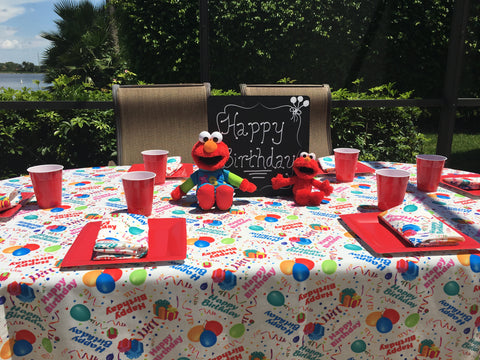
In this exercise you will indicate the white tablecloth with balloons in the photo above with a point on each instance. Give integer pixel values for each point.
(265, 280)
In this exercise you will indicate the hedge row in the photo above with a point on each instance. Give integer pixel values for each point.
(82, 138)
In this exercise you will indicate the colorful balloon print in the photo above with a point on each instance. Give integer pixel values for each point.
(23, 344)
(384, 325)
(286, 266)
(373, 317)
(206, 335)
(104, 280)
(329, 267)
(80, 312)
(25, 335)
(6, 351)
(237, 330)
(451, 288)
(52, 248)
(105, 283)
(22, 348)
(135, 230)
(211, 332)
(138, 277)
(20, 252)
(201, 243)
(47, 345)
(208, 338)
(195, 332)
(307, 262)
(392, 314)
(276, 298)
(383, 321)
(214, 326)
(464, 259)
(475, 263)
(353, 247)
(358, 346)
(412, 320)
(116, 274)
(90, 278)
(300, 272)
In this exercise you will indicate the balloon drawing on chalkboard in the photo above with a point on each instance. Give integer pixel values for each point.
(297, 112)
(295, 109)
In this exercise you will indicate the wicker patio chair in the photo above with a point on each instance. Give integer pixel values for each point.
(167, 116)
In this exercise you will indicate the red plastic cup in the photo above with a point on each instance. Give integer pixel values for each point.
(156, 161)
(138, 188)
(391, 187)
(429, 171)
(345, 163)
(47, 184)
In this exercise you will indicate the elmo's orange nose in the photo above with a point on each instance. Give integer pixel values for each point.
(210, 146)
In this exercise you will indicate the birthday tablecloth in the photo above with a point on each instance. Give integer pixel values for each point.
(265, 280)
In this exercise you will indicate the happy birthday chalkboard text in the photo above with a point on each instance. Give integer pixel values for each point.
(264, 134)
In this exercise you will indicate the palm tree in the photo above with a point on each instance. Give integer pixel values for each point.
(82, 44)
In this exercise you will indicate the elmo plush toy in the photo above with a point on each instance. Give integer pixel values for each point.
(305, 168)
(210, 154)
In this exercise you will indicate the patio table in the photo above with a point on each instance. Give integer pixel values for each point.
(265, 280)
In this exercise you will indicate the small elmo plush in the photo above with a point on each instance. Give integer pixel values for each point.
(210, 154)
(305, 168)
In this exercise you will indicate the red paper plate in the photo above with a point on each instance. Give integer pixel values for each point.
(185, 171)
(167, 241)
(361, 169)
(13, 210)
(471, 192)
(383, 241)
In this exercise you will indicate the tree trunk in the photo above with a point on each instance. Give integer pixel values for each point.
(113, 26)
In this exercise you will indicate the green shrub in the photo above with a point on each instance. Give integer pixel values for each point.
(73, 138)
(320, 42)
(388, 134)
(219, 92)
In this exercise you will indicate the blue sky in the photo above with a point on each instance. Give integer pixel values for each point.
(21, 23)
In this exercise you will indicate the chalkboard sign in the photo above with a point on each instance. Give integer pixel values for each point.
(264, 135)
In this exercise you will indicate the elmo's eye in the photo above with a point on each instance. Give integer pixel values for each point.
(204, 136)
(217, 137)
(303, 154)
(312, 156)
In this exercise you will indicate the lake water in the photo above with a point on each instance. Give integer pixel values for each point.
(18, 81)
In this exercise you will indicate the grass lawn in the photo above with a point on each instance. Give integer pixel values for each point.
(465, 151)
